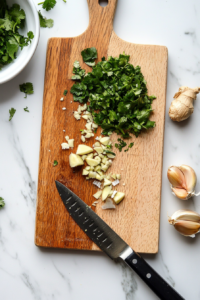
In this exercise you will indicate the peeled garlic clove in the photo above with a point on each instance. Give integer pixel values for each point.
(187, 215)
(176, 177)
(181, 193)
(190, 178)
(187, 228)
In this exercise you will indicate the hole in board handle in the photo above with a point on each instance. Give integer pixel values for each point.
(103, 3)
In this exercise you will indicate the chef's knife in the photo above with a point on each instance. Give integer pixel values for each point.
(109, 242)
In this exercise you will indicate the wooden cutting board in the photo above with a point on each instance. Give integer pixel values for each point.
(136, 219)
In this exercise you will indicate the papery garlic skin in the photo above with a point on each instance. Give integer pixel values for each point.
(182, 181)
(186, 222)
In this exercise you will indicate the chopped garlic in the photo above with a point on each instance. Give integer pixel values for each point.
(97, 195)
(84, 157)
(64, 108)
(113, 194)
(104, 168)
(67, 138)
(116, 182)
(119, 197)
(85, 172)
(118, 176)
(94, 125)
(90, 155)
(105, 140)
(107, 182)
(108, 204)
(83, 149)
(98, 149)
(92, 162)
(106, 192)
(104, 160)
(97, 144)
(77, 116)
(82, 138)
(114, 176)
(64, 146)
(84, 107)
(99, 177)
(89, 126)
(87, 168)
(123, 183)
(71, 143)
(61, 99)
(79, 109)
(92, 174)
(88, 135)
(75, 160)
(85, 117)
(97, 183)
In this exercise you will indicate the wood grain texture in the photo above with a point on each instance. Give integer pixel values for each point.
(136, 219)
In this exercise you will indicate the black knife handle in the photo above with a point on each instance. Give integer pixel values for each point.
(160, 287)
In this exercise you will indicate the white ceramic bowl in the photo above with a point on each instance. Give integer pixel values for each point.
(23, 57)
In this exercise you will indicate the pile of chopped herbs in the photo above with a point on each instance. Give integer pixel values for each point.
(116, 92)
(2, 203)
(11, 20)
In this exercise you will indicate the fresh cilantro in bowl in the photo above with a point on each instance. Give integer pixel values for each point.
(12, 19)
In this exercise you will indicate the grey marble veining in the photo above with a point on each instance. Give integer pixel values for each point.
(27, 272)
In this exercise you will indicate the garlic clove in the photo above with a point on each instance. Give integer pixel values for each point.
(187, 228)
(190, 178)
(176, 177)
(187, 215)
(181, 193)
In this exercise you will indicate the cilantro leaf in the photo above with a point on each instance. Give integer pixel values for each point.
(48, 4)
(120, 145)
(18, 15)
(2, 203)
(12, 112)
(55, 163)
(26, 109)
(89, 55)
(45, 22)
(65, 92)
(26, 88)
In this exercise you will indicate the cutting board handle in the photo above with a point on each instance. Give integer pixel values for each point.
(101, 18)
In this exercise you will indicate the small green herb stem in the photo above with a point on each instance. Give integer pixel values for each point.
(40, 3)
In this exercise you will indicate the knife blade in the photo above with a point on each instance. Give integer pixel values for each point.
(112, 244)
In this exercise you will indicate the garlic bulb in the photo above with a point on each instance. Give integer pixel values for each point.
(182, 181)
(186, 222)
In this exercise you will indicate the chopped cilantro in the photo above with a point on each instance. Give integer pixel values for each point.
(117, 95)
(44, 22)
(120, 145)
(89, 55)
(55, 163)
(26, 88)
(65, 92)
(2, 203)
(109, 146)
(12, 112)
(130, 146)
(26, 109)
(48, 4)
(11, 20)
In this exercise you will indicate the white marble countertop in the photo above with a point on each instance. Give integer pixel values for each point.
(27, 272)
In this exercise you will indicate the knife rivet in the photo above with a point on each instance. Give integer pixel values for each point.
(148, 275)
(134, 261)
